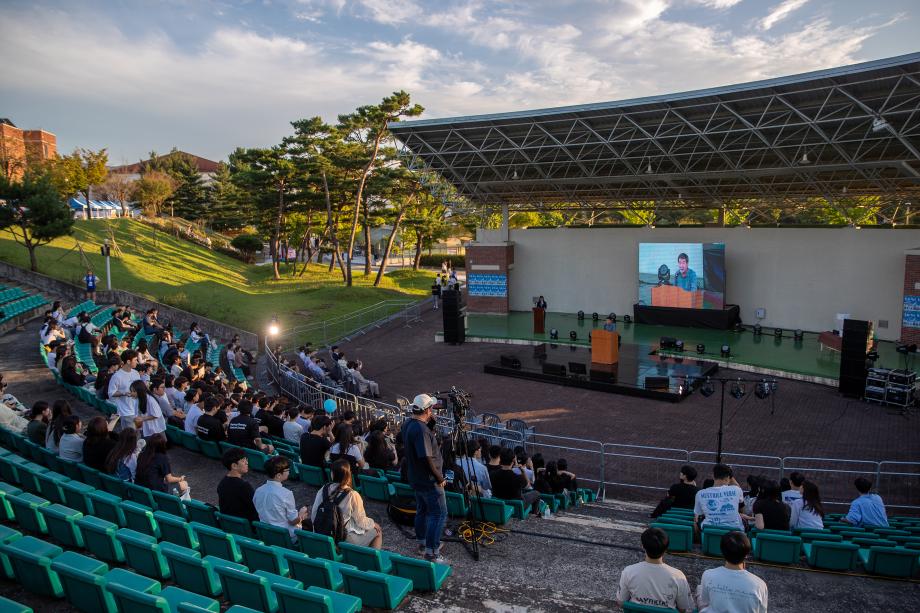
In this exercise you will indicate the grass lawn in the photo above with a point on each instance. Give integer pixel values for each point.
(185, 275)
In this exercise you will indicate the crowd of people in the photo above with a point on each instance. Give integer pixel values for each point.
(338, 373)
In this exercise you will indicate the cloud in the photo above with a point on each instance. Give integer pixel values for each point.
(389, 12)
(718, 4)
(780, 12)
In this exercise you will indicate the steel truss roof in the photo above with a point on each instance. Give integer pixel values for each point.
(832, 134)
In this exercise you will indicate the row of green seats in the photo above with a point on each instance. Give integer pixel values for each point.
(11, 294)
(87, 306)
(20, 306)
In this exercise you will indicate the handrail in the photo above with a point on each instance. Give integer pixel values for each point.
(342, 327)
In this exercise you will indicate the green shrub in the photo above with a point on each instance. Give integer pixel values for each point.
(434, 261)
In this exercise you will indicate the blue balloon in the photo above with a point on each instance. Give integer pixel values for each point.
(329, 405)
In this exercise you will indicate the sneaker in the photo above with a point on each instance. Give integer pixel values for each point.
(437, 559)
(421, 549)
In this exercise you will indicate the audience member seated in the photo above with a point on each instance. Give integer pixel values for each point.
(754, 487)
(243, 430)
(559, 481)
(681, 495)
(99, 441)
(769, 512)
(315, 444)
(868, 509)
(120, 388)
(53, 335)
(365, 386)
(122, 460)
(807, 511)
(70, 447)
(292, 428)
(192, 410)
(72, 373)
(59, 411)
(508, 485)
(234, 494)
(495, 453)
(652, 582)
(346, 447)
(88, 333)
(359, 528)
(719, 504)
(209, 426)
(379, 453)
(274, 502)
(154, 470)
(143, 353)
(196, 335)
(268, 418)
(475, 471)
(39, 416)
(731, 587)
(796, 479)
(104, 377)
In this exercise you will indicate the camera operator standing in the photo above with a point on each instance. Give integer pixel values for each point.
(424, 464)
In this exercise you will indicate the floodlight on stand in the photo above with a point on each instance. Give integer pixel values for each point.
(613, 316)
(626, 319)
(725, 351)
(573, 335)
(762, 390)
(778, 332)
(679, 345)
(701, 348)
(595, 316)
(758, 329)
(739, 327)
(273, 327)
(707, 389)
(799, 336)
(554, 333)
(737, 390)
(580, 315)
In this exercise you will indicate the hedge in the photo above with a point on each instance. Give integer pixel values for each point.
(434, 261)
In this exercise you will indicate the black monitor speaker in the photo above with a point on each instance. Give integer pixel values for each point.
(577, 368)
(667, 342)
(510, 361)
(656, 383)
(550, 368)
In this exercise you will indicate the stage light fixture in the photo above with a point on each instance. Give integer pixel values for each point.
(726, 351)
(595, 316)
(701, 348)
(758, 329)
(679, 345)
(554, 334)
(707, 389)
(762, 390)
(799, 336)
(573, 335)
(626, 319)
(613, 317)
(581, 315)
(739, 327)
(737, 390)
(778, 332)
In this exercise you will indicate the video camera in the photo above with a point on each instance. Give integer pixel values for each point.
(457, 401)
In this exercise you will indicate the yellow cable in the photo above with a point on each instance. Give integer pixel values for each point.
(482, 534)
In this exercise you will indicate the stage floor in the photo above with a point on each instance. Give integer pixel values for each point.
(763, 353)
(629, 376)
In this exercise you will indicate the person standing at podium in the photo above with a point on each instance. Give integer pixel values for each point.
(541, 303)
(685, 278)
(610, 325)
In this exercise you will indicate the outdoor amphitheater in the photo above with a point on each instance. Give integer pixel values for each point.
(621, 352)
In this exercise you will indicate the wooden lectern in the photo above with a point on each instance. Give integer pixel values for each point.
(672, 296)
(539, 320)
(605, 347)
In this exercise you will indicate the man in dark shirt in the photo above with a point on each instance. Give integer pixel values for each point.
(267, 417)
(509, 485)
(315, 444)
(209, 426)
(684, 492)
(243, 429)
(38, 425)
(234, 495)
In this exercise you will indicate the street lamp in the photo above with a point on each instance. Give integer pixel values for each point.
(273, 328)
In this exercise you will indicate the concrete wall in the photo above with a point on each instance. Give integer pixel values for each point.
(803, 277)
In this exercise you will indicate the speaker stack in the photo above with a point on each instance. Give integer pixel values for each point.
(454, 328)
(853, 370)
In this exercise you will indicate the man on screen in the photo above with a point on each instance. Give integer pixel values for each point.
(684, 278)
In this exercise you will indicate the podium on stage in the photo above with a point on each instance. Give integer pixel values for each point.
(673, 296)
(605, 347)
(539, 320)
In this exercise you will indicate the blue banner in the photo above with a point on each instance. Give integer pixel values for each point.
(490, 286)
(911, 315)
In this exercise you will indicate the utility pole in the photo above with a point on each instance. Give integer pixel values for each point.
(106, 250)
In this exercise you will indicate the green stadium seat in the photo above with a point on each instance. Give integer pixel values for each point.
(490, 510)
(253, 589)
(11, 606)
(113, 485)
(140, 495)
(142, 553)
(84, 582)
(257, 459)
(175, 529)
(6, 511)
(314, 600)
(216, 542)
(49, 486)
(376, 589)
(425, 576)
(192, 572)
(138, 583)
(550, 500)
(30, 559)
(167, 601)
(140, 518)
(71, 469)
(272, 535)
(890, 561)
(257, 556)
(108, 507)
(76, 496)
(831, 556)
(7, 535)
(889, 532)
(90, 476)
(866, 543)
(681, 537)
(189, 441)
(711, 540)
(62, 525)
(677, 521)
(456, 503)
(317, 545)
(374, 488)
(365, 558)
(315, 571)
(210, 449)
(635, 607)
(99, 538)
(235, 525)
(777, 548)
(25, 508)
(168, 503)
(311, 475)
(808, 537)
(200, 512)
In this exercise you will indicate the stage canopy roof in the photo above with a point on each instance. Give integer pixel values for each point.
(830, 134)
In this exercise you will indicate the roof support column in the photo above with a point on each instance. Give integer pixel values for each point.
(506, 217)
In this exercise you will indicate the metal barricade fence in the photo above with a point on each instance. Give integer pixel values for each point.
(834, 476)
(898, 483)
(642, 467)
(743, 464)
(584, 457)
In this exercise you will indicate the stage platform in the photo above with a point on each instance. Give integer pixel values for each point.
(805, 360)
(638, 373)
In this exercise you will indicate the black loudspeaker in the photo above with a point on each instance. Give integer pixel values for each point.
(510, 361)
(450, 303)
(656, 383)
(577, 368)
(853, 368)
(557, 370)
(603, 376)
(667, 342)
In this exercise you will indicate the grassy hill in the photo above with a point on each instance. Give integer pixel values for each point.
(185, 275)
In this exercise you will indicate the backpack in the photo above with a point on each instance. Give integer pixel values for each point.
(328, 519)
(122, 471)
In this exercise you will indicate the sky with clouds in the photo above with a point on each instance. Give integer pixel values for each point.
(207, 76)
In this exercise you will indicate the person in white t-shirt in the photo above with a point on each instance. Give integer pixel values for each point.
(292, 428)
(120, 389)
(731, 587)
(653, 582)
(720, 504)
(807, 511)
(796, 480)
(192, 410)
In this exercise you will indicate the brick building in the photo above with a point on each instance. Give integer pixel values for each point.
(19, 148)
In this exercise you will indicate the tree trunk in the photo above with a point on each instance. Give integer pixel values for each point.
(386, 250)
(276, 237)
(367, 241)
(33, 263)
(358, 198)
(417, 263)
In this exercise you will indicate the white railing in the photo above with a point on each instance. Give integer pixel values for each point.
(347, 326)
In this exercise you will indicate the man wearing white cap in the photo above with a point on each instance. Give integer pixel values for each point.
(423, 460)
